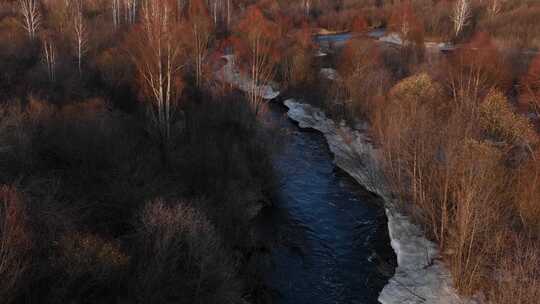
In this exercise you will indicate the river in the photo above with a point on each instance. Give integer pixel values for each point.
(329, 235)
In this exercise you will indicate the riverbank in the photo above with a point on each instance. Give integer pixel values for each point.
(420, 276)
(328, 235)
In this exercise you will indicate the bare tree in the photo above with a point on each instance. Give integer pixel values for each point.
(228, 13)
(116, 13)
(131, 7)
(49, 56)
(180, 6)
(494, 7)
(31, 14)
(80, 34)
(214, 6)
(461, 15)
(201, 30)
(257, 49)
(307, 6)
(474, 70)
(157, 54)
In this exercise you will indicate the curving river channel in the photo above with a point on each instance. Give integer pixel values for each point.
(329, 235)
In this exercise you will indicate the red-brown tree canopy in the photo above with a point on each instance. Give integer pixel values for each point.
(530, 86)
(476, 67)
(359, 24)
(258, 36)
(404, 21)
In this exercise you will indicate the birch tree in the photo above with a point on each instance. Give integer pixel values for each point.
(474, 69)
(131, 7)
(213, 5)
(307, 6)
(31, 15)
(257, 48)
(461, 15)
(157, 55)
(80, 34)
(404, 21)
(49, 56)
(116, 13)
(494, 7)
(201, 31)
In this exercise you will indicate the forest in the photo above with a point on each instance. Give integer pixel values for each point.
(136, 157)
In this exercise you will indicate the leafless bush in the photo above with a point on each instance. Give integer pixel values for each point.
(362, 76)
(527, 193)
(181, 258)
(518, 275)
(478, 198)
(88, 265)
(15, 244)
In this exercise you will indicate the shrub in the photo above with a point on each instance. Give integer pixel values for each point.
(517, 279)
(501, 123)
(474, 69)
(15, 244)
(530, 86)
(180, 258)
(527, 192)
(362, 76)
(415, 89)
(89, 266)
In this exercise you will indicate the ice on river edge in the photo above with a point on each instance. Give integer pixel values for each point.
(420, 276)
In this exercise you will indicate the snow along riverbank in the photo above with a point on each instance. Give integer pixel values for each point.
(420, 276)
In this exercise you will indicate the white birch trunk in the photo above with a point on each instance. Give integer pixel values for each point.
(30, 11)
(461, 15)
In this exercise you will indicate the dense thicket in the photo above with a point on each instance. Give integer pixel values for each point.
(131, 172)
(457, 131)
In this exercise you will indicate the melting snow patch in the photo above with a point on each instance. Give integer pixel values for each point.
(392, 38)
(320, 53)
(329, 73)
(420, 276)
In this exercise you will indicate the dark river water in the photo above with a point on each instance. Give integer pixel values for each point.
(329, 236)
